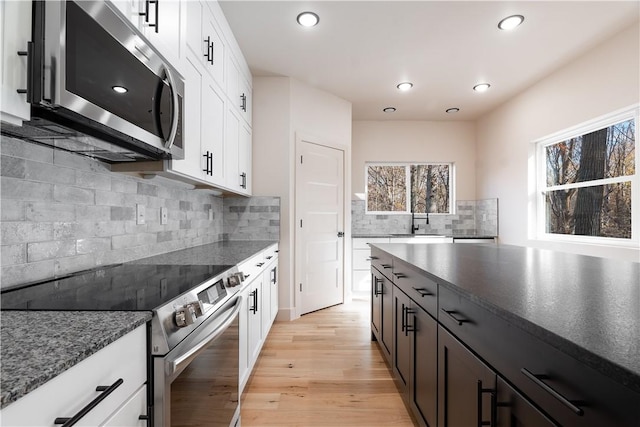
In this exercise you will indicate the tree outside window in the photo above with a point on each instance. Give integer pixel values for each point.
(405, 188)
(588, 181)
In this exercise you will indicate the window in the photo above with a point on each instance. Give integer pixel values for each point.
(587, 181)
(410, 187)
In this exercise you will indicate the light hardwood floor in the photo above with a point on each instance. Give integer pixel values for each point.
(323, 370)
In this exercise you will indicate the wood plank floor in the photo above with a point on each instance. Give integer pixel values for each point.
(323, 370)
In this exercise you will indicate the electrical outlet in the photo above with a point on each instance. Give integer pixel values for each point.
(140, 214)
(210, 214)
(164, 216)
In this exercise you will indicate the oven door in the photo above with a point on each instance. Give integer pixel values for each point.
(197, 383)
(102, 75)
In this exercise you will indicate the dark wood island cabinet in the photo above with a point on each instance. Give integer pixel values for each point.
(509, 336)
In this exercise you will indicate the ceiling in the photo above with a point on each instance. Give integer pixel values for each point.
(361, 50)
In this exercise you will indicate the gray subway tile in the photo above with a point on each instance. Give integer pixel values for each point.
(119, 185)
(26, 190)
(93, 245)
(75, 195)
(123, 213)
(93, 213)
(109, 198)
(147, 189)
(25, 273)
(93, 180)
(26, 150)
(25, 232)
(72, 264)
(185, 205)
(13, 254)
(46, 172)
(49, 212)
(76, 161)
(41, 251)
(73, 230)
(12, 210)
(12, 167)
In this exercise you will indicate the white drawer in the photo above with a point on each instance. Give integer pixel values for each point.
(128, 414)
(361, 259)
(69, 392)
(362, 242)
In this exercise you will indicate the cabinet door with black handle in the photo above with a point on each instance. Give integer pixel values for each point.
(376, 305)
(513, 410)
(425, 366)
(466, 386)
(403, 338)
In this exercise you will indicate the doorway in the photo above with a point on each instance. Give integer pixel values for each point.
(319, 226)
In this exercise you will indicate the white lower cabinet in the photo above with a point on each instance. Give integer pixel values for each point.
(258, 311)
(121, 366)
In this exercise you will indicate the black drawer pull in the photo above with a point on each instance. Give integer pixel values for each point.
(456, 319)
(376, 290)
(537, 379)
(385, 266)
(423, 292)
(106, 391)
(269, 257)
(492, 394)
(400, 275)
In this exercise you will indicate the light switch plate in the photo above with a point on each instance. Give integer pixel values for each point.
(140, 214)
(163, 216)
(210, 214)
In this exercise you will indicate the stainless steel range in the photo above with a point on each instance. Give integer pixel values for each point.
(193, 337)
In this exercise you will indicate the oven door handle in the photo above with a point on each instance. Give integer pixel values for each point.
(178, 363)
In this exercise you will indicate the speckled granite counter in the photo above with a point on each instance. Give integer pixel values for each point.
(587, 307)
(219, 253)
(38, 345)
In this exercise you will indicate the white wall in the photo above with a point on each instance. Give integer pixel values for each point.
(605, 79)
(283, 107)
(411, 141)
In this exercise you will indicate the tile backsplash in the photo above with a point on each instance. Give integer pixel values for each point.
(472, 218)
(255, 218)
(61, 213)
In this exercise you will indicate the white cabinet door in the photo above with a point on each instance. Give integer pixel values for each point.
(232, 151)
(128, 415)
(254, 305)
(243, 361)
(16, 32)
(213, 135)
(272, 282)
(203, 38)
(244, 159)
(193, 162)
(160, 23)
(239, 89)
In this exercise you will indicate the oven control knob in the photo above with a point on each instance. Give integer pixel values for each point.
(196, 308)
(185, 316)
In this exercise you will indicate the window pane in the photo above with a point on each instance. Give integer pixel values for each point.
(605, 153)
(430, 188)
(386, 188)
(601, 210)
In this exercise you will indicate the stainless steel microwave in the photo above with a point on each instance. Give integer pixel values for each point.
(97, 86)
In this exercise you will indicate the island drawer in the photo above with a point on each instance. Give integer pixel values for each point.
(382, 261)
(422, 290)
(569, 391)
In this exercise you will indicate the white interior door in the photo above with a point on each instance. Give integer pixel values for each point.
(319, 221)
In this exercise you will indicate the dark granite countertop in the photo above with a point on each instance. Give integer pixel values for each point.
(587, 307)
(38, 345)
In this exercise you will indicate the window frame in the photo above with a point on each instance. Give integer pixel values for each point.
(407, 167)
(628, 113)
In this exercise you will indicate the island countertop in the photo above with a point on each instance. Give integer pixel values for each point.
(587, 307)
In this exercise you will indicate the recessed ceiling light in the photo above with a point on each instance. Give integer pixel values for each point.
(482, 87)
(452, 110)
(389, 109)
(120, 89)
(308, 19)
(404, 86)
(510, 22)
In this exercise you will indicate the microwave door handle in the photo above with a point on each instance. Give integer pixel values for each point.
(175, 109)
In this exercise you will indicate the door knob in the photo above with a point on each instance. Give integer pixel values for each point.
(340, 234)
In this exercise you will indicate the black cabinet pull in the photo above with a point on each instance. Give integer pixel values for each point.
(243, 180)
(403, 325)
(376, 290)
(260, 264)
(456, 319)
(254, 296)
(385, 266)
(209, 54)
(274, 275)
(407, 327)
(537, 379)
(422, 291)
(33, 85)
(209, 163)
(492, 393)
(243, 102)
(146, 13)
(400, 275)
(371, 258)
(269, 257)
(106, 391)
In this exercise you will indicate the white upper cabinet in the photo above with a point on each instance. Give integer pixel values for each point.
(213, 137)
(204, 39)
(160, 22)
(16, 33)
(239, 89)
